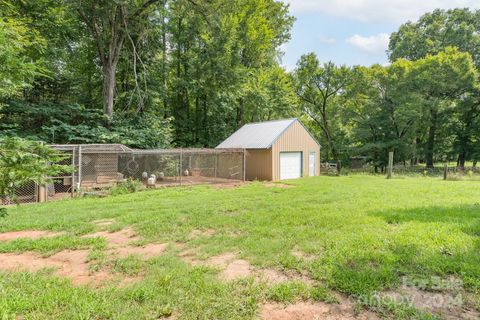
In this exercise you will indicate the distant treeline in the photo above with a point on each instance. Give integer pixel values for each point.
(159, 73)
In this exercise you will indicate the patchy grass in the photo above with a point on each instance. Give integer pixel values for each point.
(357, 235)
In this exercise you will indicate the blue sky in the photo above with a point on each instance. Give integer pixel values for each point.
(353, 32)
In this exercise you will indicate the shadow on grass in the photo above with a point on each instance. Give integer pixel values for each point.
(466, 216)
(438, 241)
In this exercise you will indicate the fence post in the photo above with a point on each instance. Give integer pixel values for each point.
(181, 160)
(390, 165)
(445, 171)
(79, 183)
(244, 165)
(216, 163)
(73, 173)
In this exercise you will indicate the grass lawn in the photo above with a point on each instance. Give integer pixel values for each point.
(350, 236)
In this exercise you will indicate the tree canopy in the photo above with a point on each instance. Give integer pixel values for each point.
(187, 73)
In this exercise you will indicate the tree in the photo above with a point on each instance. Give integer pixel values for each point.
(436, 31)
(433, 33)
(382, 111)
(23, 161)
(16, 70)
(110, 23)
(319, 87)
(442, 79)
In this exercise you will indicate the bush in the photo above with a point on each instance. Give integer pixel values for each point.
(128, 186)
(23, 161)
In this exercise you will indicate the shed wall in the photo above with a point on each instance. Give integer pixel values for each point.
(295, 138)
(258, 164)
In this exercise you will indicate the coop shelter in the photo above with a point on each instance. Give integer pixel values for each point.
(103, 165)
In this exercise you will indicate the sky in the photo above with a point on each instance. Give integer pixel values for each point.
(353, 32)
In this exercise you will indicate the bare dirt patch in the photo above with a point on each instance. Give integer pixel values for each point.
(312, 311)
(233, 268)
(116, 239)
(70, 264)
(277, 185)
(74, 264)
(237, 269)
(30, 234)
(272, 276)
(449, 304)
(202, 233)
(228, 185)
(147, 251)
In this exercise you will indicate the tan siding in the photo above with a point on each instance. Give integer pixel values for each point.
(259, 164)
(296, 138)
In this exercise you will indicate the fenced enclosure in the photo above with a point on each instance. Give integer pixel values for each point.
(99, 166)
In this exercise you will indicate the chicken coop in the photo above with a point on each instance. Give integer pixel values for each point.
(99, 166)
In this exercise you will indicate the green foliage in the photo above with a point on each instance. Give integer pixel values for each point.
(23, 161)
(16, 70)
(128, 186)
(73, 123)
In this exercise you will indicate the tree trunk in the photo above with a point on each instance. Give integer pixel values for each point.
(197, 119)
(430, 150)
(108, 73)
(240, 107)
(206, 135)
(462, 158)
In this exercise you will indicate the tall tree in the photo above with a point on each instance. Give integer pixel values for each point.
(318, 87)
(110, 23)
(442, 79)
(435, 32)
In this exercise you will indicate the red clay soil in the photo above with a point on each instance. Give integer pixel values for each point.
(30, 234)
(73, 264)
(233, 268)
(116, 239)
(312, 311)
(70, 264)
(147, 251)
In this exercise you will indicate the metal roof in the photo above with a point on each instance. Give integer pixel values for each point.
(260, 135)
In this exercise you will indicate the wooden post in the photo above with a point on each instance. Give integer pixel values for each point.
(181, 159)
(42, 193)
(390, 165)
(445, 171)
(216, 163)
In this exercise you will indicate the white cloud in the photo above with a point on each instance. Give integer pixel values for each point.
(397, 11)
(373, 44)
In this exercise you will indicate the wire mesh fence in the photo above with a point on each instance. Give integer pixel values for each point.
(96, 167)
(419, 170)
(183, 166)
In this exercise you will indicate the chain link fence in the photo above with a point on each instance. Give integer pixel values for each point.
(100, 166)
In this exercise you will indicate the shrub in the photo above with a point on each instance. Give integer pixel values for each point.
(23, 161)
(128, 186)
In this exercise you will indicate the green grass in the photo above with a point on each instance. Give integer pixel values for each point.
(365, 233)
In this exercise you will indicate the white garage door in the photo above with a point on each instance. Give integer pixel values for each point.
(290, 165)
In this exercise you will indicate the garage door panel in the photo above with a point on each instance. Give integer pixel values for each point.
(290, 165)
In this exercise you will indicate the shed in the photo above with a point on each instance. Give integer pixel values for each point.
(276, 150)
